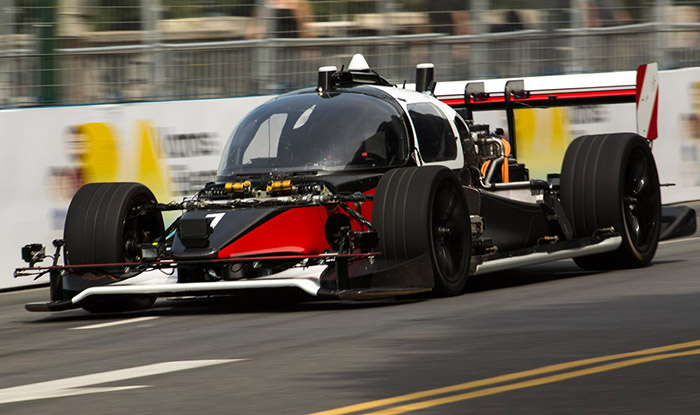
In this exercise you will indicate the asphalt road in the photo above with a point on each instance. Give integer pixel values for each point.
(490, 351)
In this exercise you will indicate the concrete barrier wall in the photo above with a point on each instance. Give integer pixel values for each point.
(174, 147)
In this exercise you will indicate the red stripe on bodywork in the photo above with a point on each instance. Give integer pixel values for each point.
(295, 231)
(546, 96)
(580, 95)
(453, 101)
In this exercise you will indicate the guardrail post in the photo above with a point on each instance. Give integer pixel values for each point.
(47, 58)
(386, 50)
(7, 12)
(660, 9)
(262, 54)
(478, 53)
(150, 16)
(578, 44)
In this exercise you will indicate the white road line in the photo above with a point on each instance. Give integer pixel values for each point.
(675, 241)
(22, 290)
(77, 385)
(114, 323)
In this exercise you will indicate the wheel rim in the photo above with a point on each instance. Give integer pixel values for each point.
(449, 233)
(133, 238)
(640, 200)
(137, 230)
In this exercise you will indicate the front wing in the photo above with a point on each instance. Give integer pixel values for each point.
(344, 277)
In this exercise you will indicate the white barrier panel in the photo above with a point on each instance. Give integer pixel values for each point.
(174, 148)
(677, 150)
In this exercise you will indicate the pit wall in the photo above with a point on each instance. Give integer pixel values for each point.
(174, 148)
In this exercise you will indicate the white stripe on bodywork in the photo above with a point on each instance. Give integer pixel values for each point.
(306, 279)
(647, 99)
(501, 264)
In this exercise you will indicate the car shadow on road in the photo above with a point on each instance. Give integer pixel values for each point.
(230, 304)
(525, 276)
(535, 274)
(264, 303)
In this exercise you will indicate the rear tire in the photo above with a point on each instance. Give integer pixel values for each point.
(611, 180)
(418, 210)
(101, 229)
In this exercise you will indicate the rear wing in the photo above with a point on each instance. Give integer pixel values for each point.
(514, 96)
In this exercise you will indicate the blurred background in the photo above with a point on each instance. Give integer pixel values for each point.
(97, 51)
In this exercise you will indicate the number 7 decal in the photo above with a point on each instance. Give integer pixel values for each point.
(216, 217)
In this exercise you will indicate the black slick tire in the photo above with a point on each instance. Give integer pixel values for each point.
(101, 229)
(418, 210)
(610, 180)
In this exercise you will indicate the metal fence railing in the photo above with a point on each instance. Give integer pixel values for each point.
(216, 57)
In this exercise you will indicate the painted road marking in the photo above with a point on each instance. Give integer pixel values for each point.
(114, 323)
(530, 383)
(636, 359)
(80, 385)
(675, 241)
(21, 290)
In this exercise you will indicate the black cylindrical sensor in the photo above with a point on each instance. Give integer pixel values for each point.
(424, 76)
(324, 78)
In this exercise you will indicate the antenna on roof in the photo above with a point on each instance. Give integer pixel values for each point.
(358, 63)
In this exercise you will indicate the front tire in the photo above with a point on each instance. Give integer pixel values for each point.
(101, 228)
(419, 210)
(611, 180)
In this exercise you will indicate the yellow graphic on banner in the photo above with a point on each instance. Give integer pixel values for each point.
(98, 154)
(541, 140)
(94, 152)
(150, 171)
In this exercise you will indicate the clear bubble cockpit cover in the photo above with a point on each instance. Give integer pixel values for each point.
(308, 132)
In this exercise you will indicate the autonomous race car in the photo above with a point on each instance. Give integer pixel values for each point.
(359, 189)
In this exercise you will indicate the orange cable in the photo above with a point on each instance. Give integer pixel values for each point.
(505, 171)
(485, 167)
